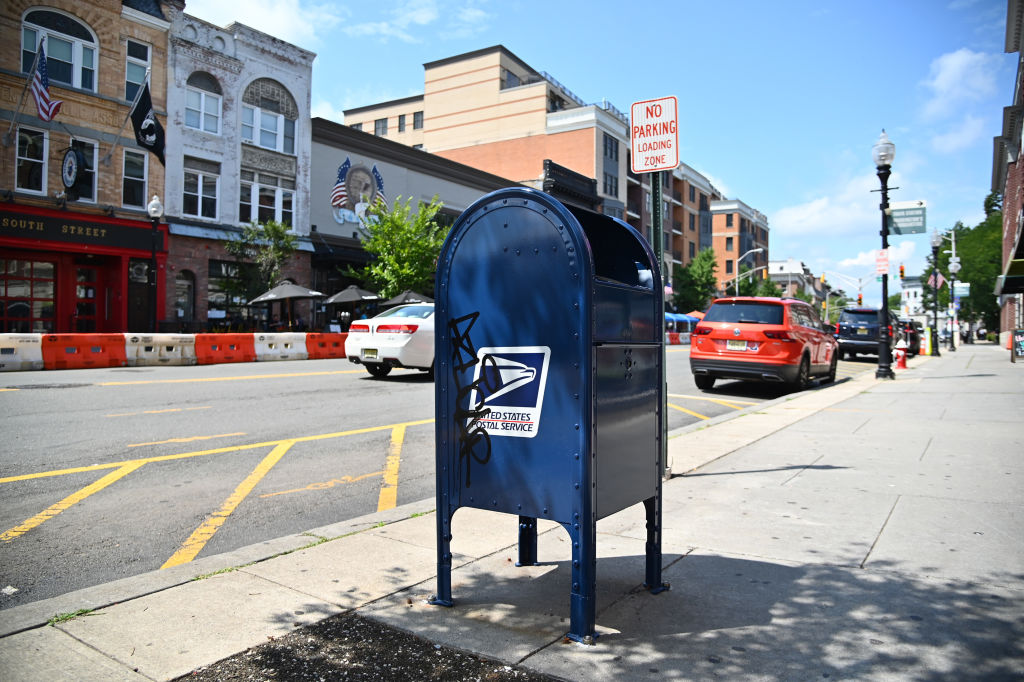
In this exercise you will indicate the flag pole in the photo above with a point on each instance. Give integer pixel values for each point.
(145, 81)
(21, 100)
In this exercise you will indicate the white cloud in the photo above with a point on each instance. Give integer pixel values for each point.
(958, 78)
(328, 111)
(898, 253)
(297, 22)
(846, 211)
(961, 136)
(410, 15)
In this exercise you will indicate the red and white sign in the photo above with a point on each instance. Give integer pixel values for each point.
(882, 262)
(654, 135)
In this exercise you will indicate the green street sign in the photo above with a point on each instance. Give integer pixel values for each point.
(907, 217)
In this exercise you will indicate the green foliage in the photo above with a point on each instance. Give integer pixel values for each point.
(694, 285)
(404, 245)
(895, 302)
(264, 249)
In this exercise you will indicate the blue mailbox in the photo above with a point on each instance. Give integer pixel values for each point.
(548, 379)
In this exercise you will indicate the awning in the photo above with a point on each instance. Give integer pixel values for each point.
(222, 234)
(1012, 280)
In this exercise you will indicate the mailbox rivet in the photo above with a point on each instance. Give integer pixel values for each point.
(517, 252)
(545, 511)
(577, 486)
(575, 564)
(536, 250)
(576, 587)
(576, 515)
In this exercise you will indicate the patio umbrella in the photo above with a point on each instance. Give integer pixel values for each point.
(408, 297)
(352, 294)
(696, 313)
(286, 291)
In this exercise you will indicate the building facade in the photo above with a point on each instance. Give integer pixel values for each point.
(737, 234)
(77, 246)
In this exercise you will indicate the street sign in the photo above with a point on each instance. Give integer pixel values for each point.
(654, 135)
(962, 289)
(882, 262)
(907, 217)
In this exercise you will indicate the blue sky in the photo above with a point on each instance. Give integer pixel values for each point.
(779, 102)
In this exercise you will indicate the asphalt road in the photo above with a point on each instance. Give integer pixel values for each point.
(109, 473)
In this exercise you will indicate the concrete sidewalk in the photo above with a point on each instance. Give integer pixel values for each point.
(869, 530)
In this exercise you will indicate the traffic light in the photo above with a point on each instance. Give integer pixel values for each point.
(860, 299)
(764, 274)
(902, 271)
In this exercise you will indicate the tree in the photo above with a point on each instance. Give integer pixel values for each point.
(404, 245)
(263, 250)
(895, 302)
(694, 285)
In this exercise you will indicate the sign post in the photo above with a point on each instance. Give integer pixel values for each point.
(654, 147)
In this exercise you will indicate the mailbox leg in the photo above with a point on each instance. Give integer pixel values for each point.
(444, 560)
(527, 541)
(653, 580)
(583, 607)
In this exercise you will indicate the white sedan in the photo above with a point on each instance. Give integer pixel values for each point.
(399, 337)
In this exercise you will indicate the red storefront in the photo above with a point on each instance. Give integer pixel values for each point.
(66, 271)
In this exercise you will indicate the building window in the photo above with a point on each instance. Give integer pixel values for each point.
(133, 180)
(357, 126)
(401, 123)
(222, 289)
(202, 182)
(611, 147)
(611, 185)
(417, 120)
(269, 113)
(185, 296)
(509, 79)
(728, 220)
(728, 267)
(26, 296)
(31, 161)
(136, 65)
(380, 127)
(86, 186)
(693, 222)
(203, 103)
(266, 197)
(693, 194)
(70, 48)
(693, 250)
(728, 243)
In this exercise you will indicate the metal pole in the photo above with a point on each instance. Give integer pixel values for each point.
(154, 236)
(884, 370)
(935, 306)
(659, 253)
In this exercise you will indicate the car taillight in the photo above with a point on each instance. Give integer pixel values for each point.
(396, 328)
(890, 331)
(702, 331)
(837, 327)
(778, 336)
(356, 328)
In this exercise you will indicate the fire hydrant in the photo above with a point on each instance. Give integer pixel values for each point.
(901, 354)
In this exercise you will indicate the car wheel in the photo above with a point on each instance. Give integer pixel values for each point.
(377, 369)
(430, 372)
(803, 376)
(704, 382)
(831, 376)
(840, 354)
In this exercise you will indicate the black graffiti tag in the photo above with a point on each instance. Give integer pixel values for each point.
(474, 441)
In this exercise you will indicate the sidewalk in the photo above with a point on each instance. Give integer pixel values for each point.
(871, 530)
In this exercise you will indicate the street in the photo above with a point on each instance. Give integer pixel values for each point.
(110, 473)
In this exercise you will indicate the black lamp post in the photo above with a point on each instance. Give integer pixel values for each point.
(156, 211)
(936, 243)
(954, 267)
(883, 153)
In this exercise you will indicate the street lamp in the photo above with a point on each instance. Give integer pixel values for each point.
(936, 243)
(883, 153)
(156, 211)
(737, 267)
(954, 267)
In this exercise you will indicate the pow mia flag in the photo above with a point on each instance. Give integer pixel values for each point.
(148, 131)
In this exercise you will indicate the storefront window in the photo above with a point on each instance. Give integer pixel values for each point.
(26, 296)
(185, 296)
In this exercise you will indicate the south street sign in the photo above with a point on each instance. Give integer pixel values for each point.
(907, 217)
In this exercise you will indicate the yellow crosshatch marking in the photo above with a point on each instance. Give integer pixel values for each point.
(185, 440)
(689, 412)
(389, 487)
(194, 544)
(169, 410)
(324, 485)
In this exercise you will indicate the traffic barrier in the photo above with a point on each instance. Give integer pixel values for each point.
(673, 338)
(23, 352)
(147, 350)
(325, 346)
(212, 349)
(281, 346)
(83, 351)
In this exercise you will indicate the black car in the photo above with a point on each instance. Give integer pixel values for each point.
(912, 335)
(857, 331)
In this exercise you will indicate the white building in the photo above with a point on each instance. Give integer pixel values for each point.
(911, 297)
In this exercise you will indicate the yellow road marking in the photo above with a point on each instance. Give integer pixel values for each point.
(5, 390)
(201, 535)
(175, 409)
(185, 440)
(676, 349)
(323, 485)
(388, 497)
(735, 404)
(683, 409)
(51, 511)
(214, 451)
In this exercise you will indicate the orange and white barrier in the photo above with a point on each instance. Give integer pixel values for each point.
(327, 345)
(83, 351)
(148, 350)
(214, 349)
(20, 352)
(280, 346)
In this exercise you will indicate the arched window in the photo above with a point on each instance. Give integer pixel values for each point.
(269, 115)
(203, 103)
(71, 48)
(185, 296)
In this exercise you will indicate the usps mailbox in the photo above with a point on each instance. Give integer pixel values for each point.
(548, 333)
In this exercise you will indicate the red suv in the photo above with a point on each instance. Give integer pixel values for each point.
(762, 339)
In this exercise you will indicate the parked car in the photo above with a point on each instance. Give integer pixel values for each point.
(762, 339)
(399, 337)
(857, 331)
(912, 332)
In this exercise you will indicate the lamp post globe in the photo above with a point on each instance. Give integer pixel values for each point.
(156, 211)
(882, 153)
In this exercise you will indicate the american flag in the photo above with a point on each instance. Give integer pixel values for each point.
(339, 195)
(381, 197)
(931, 281)
(41, 89)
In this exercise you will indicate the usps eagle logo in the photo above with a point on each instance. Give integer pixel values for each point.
(510, 382)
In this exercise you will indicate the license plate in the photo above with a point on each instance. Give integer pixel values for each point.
(370, 353)
(863, 331)
(733, 344)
